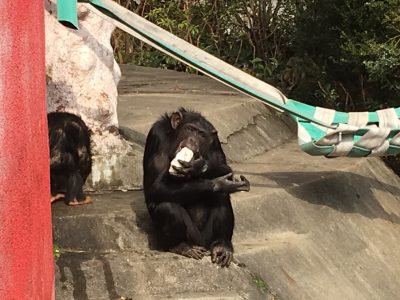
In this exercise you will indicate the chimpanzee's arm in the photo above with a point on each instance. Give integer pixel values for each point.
(216, 162)
(169, 189)
(62, 160)
(215, 171)
(161, 186)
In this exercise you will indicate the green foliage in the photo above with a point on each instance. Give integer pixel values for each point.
(259, 283)
(356, 44)
(56, 252)
(248, 34)
(341, 54)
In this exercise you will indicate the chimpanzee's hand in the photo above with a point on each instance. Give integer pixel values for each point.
(228, 184)
(192, 168)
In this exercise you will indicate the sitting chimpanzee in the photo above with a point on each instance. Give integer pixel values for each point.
(70, 157)
(190, 207)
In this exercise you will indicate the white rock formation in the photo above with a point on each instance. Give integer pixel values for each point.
(82, 78)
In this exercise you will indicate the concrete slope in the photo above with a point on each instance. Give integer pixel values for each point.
(310, 228)
(317, 228)
(245, 127)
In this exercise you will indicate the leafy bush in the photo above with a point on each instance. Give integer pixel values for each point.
(248, 34)
(356, 44)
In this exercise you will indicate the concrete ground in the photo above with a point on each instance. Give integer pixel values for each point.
(310, 228)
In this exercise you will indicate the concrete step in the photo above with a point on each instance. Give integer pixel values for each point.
(108, 249)
(245, 126)
(117, 221)
(151, 275)
(310, 228)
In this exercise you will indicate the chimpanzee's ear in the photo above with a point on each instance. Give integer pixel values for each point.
(176, 119)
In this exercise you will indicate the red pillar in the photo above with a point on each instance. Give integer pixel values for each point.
(26, 255)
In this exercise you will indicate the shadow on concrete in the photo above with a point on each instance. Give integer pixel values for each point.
(75, 262)
(72, 266)
(144, 223)
(343, 191)
(133, 135)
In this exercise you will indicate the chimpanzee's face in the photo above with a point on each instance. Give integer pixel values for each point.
(192, 131)
(195, 137)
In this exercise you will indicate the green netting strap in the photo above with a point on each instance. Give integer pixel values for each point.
(70, 20)
(67, 13)
(172, 45)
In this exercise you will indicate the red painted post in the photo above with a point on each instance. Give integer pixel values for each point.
(26, 255)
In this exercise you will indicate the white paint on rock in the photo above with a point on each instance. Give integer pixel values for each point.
(82, 77)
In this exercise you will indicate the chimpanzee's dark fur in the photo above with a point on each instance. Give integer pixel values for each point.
(70, 157)
(191, 210)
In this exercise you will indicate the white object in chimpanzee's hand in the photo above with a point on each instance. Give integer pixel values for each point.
(185, 155)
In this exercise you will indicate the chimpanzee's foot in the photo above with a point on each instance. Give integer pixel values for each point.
(56, 197)
(204, 250)
(196, 252)
(222, 255)
(75, 202)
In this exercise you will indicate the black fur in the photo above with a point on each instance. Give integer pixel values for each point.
(70, 156)
(191, 211)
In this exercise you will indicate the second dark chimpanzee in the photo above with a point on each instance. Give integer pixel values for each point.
(70, 157)
(190, 208)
